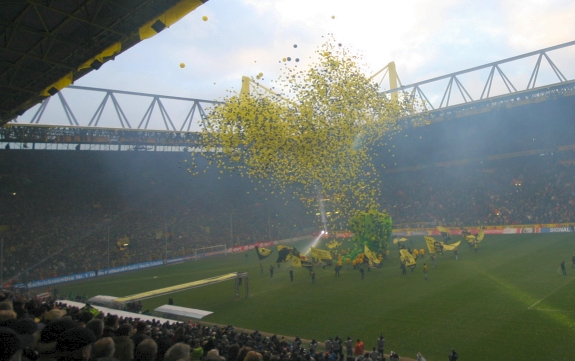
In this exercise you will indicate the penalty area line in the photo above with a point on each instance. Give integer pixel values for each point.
(552, 292)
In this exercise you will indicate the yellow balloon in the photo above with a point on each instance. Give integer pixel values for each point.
(204, 18)
(182, 65)
(310, 139)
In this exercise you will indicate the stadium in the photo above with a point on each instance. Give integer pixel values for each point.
(127, 233)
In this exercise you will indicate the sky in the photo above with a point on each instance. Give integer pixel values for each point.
(245, 37)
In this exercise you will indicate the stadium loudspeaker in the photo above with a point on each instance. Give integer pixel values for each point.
(96, 64)
(158, 26)
(52, 91)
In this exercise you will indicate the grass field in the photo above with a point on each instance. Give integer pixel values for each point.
(508, 302)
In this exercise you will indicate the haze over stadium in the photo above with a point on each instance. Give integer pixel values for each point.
(479, 195)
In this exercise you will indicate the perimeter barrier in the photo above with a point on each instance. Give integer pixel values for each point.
(154, 263)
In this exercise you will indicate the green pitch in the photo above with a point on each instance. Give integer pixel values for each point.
(507, 302)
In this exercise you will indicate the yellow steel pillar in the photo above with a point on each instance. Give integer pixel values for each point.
(393, 80)
(245, 86)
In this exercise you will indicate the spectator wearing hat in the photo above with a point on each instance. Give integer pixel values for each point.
(10, 344)
(75, 344)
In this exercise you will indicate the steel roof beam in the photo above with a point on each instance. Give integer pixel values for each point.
(526, 55)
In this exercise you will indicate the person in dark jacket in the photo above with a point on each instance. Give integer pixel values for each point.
(453, 356)
(124, 345)
(142, 333)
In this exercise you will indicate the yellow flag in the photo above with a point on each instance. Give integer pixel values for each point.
(333, 244)
(320, 253)
(430, 244)
(480, 236)
(407, 257)
(450, 247)
(370, 255)
(263, 252)
(433, 245)
(296, 261)
(442, 229)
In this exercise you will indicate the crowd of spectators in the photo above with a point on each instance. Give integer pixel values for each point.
(64, 212)
(520, 191)
(34, 330)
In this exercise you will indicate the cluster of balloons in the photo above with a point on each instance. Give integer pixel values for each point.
(317, 132)
(371, 228)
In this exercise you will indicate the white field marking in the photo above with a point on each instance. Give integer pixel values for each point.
(543, 309)
(552, 292)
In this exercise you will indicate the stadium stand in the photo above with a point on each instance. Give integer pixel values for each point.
(69, 203)
(66, 202)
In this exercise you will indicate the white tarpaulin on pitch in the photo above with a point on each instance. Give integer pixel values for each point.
(183, 311)
(118, 312)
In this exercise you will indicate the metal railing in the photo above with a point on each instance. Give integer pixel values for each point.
(118, 101)
(449, 86)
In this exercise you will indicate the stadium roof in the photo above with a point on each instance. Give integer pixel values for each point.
(46, 44)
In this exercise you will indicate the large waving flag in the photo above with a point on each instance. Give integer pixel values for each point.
(450, 247)
(432, 245)
(444, 232)
(370, 255)
(285, 253)
(333, 244)
(298, 262)
(320, 253)
(480, 236)
(263, 252)
(407, 257)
